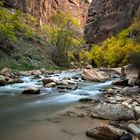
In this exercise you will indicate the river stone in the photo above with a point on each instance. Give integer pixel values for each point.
(31, 90)
(112, 112)
(134, 130)
(137, 112)
(65, 88)
(47, 81)
(49, 85)
(94, 75)
(105, 132)
(130, 91)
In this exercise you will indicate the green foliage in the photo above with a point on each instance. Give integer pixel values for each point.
(14, 24)
(63, 37)
(115, 50)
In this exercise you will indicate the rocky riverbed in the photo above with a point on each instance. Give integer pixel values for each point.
(70, 105)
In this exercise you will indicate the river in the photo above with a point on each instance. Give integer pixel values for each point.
(18, 111)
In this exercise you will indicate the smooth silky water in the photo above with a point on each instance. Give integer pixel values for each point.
(18, 112)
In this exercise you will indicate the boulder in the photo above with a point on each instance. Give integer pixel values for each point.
(137, 112)
(94, 75)
(112, 112)
(105, 132)
(31, 90)
(130, 91)
(134, 130)
(130, 71)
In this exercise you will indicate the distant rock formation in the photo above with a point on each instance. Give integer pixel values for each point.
(108, 17)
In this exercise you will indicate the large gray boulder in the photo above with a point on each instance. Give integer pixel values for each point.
(112, 112)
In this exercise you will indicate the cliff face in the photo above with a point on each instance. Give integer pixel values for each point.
(108, 17)
(43, 9)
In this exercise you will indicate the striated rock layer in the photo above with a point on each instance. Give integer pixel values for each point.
(43, 9)
(108, 17)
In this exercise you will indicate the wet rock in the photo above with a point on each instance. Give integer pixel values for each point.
(49, 85)
(86, 100)
(105, 132)
(31, 90)
(35, 72)
(65, 88)
(112, 112)
(134, 130)
(47, 81)
(137, 111)
(130, 91)
(14, 81)
(122, 82)
(94, 75)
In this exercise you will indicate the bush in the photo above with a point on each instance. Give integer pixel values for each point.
(114, 51)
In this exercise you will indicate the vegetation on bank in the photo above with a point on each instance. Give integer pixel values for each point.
(115, 51)
(26, 45)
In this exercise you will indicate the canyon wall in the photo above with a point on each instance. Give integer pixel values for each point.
(108, 17)
(43, 9)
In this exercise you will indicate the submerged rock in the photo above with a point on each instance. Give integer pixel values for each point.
(31, 90)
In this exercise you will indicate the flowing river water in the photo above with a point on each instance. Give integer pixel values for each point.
(18, 111)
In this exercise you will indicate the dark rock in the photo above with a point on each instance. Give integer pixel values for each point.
(64, 88)
(125, 136)
(105, 132)
(112, 112)
(31, 90)
(122, 82)
(86, 100)
(105, 18)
